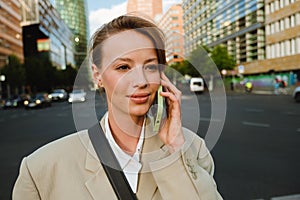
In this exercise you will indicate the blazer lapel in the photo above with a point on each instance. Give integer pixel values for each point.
(153, 149)
(98, 184)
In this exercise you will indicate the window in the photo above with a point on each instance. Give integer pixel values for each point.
(277, 47)
(287, 47)
(298, 45)
(277, 26)
(292, 20)
(281, 3)
(268, 52)
(268, 29)
(282, 49)
(293, 46)
(282, 24)
(272, 51)
(287, 22)
(297, 19)
(277, 5)
(287, 2)
(272, 7)
(272, 28)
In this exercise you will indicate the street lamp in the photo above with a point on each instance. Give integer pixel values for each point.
(2, 78)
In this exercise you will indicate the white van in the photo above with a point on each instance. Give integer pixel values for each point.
(197, 85)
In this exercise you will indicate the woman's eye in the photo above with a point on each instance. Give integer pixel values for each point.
(152, 67)
(123, 67)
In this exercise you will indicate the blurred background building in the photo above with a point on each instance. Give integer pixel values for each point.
(75, 14)
(172, 25)
(263, 36)
(151, 8)
(237, 24)
(282, 24)
(10, 31)
(45, 34)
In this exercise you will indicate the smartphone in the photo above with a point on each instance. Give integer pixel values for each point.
(160, 110)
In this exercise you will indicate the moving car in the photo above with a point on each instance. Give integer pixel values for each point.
(40, 100)
(59, 95)
(77, 95)
(296, 94)
(197, 85)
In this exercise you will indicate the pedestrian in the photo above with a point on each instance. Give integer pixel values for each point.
(276, 86)
(171, 162)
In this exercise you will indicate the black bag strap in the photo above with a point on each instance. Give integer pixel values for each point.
(110, 164)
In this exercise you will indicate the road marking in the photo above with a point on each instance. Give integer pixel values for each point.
(184, 97)
(290, 113)
(61, 115)
(209, 119)
(254, 110)
(14, 116)
(256, 124)
(289, 197)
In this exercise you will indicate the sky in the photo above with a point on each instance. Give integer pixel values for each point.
(102, 11)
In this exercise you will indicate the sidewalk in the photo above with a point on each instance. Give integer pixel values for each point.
(263, 91)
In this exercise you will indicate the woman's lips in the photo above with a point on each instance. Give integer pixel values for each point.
(139, 98)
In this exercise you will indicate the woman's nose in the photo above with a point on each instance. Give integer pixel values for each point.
(139, 78)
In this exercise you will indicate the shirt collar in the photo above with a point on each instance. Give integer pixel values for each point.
(123, 157)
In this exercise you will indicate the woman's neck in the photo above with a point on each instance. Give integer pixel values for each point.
(126, 131)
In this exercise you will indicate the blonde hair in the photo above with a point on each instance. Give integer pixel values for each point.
(124, 23)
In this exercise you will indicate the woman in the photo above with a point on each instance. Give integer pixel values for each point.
(173, 163)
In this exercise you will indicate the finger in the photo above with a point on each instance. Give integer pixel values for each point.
(172, 97)
(169, 87)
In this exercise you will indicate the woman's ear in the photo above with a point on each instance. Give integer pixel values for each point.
(97, 76)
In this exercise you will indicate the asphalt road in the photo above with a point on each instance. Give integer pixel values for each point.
(256, 157)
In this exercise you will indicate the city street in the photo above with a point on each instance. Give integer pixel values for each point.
(256, 157)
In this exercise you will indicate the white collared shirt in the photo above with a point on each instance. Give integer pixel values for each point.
(130, 164)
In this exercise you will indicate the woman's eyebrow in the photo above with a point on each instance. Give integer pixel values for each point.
(131, 60)
(151, 60)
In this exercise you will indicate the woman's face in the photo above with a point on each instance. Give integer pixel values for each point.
(129, 73)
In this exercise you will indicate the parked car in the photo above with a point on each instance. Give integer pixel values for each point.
(59, 95)
(40, 100)
(77, 95)
(296, 94)
(15, 101)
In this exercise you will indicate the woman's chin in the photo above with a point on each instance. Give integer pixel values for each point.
(139, 111)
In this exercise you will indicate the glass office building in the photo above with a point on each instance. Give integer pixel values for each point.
(75, 15)
(45, 34)
(238, 24)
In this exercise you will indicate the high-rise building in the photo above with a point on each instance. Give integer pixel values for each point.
(238, 24)
(171, 24)
(10, 31)
(45, 34)
(282, 23)
(75, 15)
(151, 8)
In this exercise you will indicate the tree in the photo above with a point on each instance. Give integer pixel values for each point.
(14, 73)
(40, 74)
(222, 58)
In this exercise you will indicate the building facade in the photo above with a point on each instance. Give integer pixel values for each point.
(151, 8)
(282, 25)
(172, 25)
(75, 14)
(45, 34)
(10, 31)
(237, 24)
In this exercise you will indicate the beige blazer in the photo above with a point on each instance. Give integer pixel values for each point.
(69, 169)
